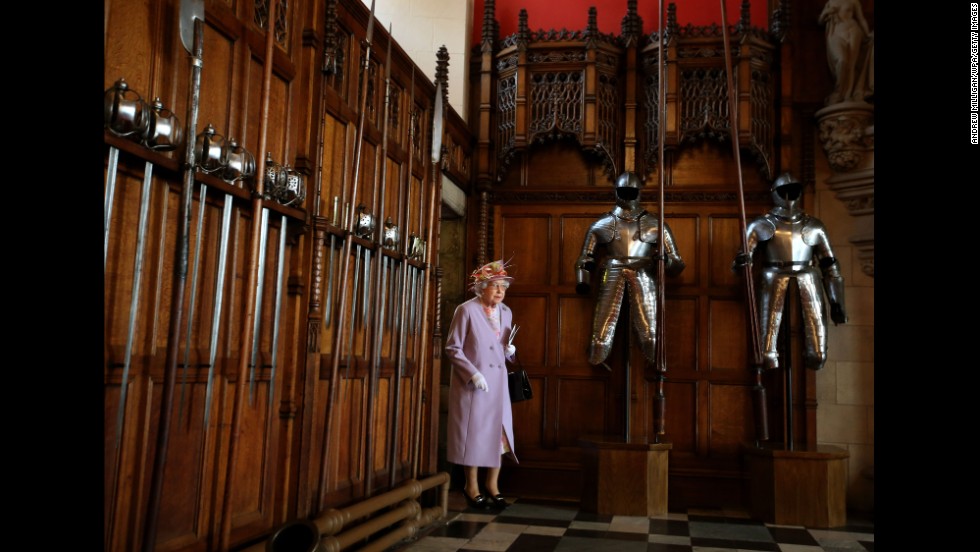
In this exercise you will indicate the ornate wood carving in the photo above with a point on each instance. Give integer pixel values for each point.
(562, 84)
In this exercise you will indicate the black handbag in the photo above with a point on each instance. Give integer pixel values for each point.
(518, 385)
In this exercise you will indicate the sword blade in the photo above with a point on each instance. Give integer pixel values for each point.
(110, 192)
(259, 285)
(278, 307)
(190, 313)
(218, 297)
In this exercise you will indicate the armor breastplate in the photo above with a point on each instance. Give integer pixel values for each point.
(627, 248)
(787, 248)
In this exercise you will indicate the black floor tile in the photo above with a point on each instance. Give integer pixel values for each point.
(792, 535)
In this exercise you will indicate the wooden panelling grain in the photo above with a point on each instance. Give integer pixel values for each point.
(685, 228)
(525, 239)
(725, 242)
(728, 338)
(535, 334)
(730, 419)
(681, 336)
(217, 102)
(573, 229)
(581, 408)
(574, 332)
(681, 417)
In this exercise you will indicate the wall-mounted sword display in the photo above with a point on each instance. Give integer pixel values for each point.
(155, 128)
(400, 329)
(378, 278)
(192, 34)
(337, 351)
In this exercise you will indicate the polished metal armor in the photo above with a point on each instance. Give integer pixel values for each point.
(629, 234)
(792, 245)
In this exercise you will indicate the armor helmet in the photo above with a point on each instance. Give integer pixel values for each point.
(628, 186)
(786, 193)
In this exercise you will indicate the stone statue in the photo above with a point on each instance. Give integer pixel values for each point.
(849, 50)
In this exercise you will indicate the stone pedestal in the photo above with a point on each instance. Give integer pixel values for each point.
(624, 478)
(804, 486)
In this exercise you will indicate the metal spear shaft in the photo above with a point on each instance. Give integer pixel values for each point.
(180, 278)
(660, 401)
(759, 390)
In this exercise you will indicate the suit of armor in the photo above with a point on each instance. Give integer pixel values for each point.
(630, 236)
(792, 245)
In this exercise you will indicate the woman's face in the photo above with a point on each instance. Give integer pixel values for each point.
(494, 292)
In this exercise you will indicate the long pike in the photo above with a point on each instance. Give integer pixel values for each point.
(758, 391)
(378, 280)
(192, 14)
(434, 199)
(400, 327)
(660, 400)
(345, 270)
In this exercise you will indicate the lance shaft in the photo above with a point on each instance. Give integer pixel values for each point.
(660, 407)
(759, 391)
(245, 343)
(338, 341)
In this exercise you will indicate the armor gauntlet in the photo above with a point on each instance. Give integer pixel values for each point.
(583, 274)
(834, 286)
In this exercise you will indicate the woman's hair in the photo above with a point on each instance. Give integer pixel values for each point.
(478, 288)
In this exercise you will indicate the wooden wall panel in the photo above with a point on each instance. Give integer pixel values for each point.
(725, 242)
(574, 332)
(573, 229)
(536, 333)
(216, 107)
(728, 352)
(582, 404)
(682, 406)
(525, 240)
(681, 336)
(731, 408)
(685, 229)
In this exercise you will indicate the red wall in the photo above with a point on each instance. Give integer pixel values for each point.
(574, 14)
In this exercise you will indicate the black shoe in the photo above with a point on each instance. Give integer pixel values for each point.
(498, 502)
(479, 502)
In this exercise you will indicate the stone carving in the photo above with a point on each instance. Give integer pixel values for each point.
(850, 50)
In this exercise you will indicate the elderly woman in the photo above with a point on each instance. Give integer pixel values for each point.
(480, 428)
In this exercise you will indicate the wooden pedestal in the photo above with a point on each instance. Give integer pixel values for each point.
(805, 487)
(628, 479)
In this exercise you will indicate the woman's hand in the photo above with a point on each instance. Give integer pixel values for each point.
(480, 382)
(511, 350)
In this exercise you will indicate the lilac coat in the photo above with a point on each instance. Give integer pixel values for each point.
(476, 417)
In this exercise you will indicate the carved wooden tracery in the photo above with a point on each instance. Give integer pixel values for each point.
(551, 85)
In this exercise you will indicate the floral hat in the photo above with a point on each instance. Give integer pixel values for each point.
(496, 270)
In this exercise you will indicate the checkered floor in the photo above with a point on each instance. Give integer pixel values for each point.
(537, 527)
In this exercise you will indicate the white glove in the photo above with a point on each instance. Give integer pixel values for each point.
(480, 382)
(511, 350)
